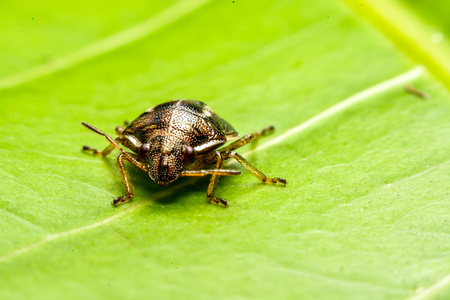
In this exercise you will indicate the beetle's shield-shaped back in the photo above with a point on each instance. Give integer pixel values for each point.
(217, 132)
(188, 120)
(223, 126)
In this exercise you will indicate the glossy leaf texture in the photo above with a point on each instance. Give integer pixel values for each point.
(364, 215)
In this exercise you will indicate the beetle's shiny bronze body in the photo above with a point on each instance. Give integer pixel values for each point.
(179, 138)
(171, 127)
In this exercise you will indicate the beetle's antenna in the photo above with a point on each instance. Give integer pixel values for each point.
(89, 126)
(110, 139)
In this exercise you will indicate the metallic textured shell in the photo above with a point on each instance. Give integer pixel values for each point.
(189, 120)
(169, 129)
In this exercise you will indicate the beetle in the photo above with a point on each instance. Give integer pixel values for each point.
(179, 138)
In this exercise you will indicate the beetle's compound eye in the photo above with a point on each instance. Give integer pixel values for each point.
(189, 155)
(143, 150)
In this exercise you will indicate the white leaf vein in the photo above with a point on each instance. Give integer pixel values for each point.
(328, 113)
(111, 43)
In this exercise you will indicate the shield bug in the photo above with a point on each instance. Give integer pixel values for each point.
(179, 138)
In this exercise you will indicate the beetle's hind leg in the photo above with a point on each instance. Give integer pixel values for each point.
(252, 168)
(248, 138)
(227, 152)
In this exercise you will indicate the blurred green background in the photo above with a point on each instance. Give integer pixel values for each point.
(365, 212)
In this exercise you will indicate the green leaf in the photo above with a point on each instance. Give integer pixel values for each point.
(364, 214)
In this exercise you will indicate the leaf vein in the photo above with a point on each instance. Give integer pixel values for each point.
(113, 42)
(330, 112)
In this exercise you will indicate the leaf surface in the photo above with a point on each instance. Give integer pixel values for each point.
(364, 214)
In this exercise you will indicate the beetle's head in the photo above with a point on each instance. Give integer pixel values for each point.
(165, 157)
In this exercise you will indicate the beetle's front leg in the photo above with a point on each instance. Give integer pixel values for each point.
(209, 159)
(126, 182)
(213, 182)
(126, 177)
